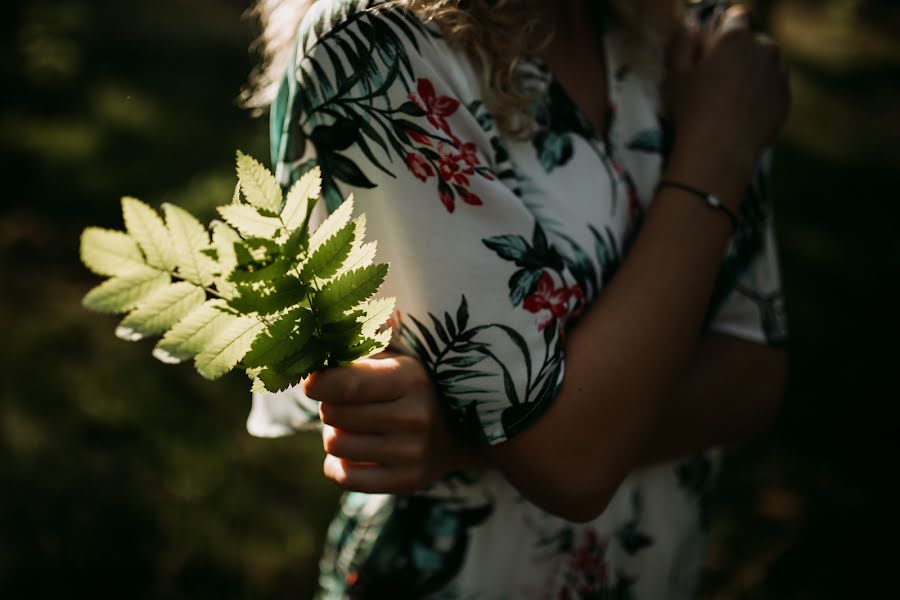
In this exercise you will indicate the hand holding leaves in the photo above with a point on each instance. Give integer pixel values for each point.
(256, 291)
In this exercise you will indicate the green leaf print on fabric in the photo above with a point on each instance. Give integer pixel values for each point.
(360, 108)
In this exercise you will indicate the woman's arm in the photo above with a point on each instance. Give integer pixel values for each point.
(635, 344)
(732, 388)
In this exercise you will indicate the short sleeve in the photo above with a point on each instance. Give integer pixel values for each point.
(379, 103)
(748, 302)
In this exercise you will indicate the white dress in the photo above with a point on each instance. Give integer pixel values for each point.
(495, 245)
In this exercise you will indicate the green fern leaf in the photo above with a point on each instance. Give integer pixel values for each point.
(194, 332)
(348, 290)
(108, 252)
(281, 294)
(309, 358)
(272, 381)
(223, 239)
(228, 347)
(145, 225)
(364, 349)
(160, 310)
(330, 255)
(249, 222)
(375, 314)
(258, 184)
(122, 293)
(360, 256)
(189, 239)
(300, 199)
(280, 339)
(335, 221)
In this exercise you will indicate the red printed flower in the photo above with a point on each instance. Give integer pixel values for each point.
(447, 201)
(419, 166)
(550, 298)
(418, 137)
(447, 166)
(469, 155)
(435, 107)
(470, 198)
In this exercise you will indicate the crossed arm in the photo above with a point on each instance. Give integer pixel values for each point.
(641, 384)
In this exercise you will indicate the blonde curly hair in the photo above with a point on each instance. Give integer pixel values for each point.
(492, 33)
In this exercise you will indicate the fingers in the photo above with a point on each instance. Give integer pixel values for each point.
(685, 48)
(365, 381)
(370, 478)
(393, 450)
(735, 18)
(376, 417)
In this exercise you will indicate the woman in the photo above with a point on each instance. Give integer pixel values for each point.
(556, 252)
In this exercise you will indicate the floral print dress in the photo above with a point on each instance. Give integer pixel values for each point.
(495, 246)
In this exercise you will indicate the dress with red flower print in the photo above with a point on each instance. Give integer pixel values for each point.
(496, 245)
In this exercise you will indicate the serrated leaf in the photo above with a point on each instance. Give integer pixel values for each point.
(360, 256)
(260, 187)
(189, 238)
(330, 255)
(308, 358)
(223, 239)
(375, 314)
(271, 272)
(161, 310)
(193, 333)
(280, 339)
(348, 290)
(367, 347)
(272, 381)
(284, 293)
(297, 205)
(108, 252)
(147, 228)
(121, 294)
(335, 221)
(249, 222)
(227, 348)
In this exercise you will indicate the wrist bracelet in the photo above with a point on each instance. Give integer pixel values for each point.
(711, 200)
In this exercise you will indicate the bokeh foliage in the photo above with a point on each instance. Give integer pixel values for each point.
(121, 477)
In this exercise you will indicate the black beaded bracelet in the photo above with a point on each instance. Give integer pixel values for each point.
(711, 200)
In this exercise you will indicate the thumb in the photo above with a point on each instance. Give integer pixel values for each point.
(685, 48)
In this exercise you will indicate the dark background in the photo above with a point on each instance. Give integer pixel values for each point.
(122, 477)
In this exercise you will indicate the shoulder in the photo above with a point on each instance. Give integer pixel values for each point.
(372, 24)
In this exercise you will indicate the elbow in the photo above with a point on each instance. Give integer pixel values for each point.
(580, 507)
(573, 494)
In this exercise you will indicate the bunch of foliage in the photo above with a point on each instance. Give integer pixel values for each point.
(257, 291)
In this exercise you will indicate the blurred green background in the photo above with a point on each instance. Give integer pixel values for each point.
(122, 477)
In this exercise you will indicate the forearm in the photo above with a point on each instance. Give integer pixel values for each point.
(731, 389)
(628, 351)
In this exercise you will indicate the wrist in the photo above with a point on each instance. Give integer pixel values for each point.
(722, 172)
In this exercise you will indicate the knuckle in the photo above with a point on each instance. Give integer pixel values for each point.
(329, 413)
(350, 388)
(331, 441)
(412, 451)
(416, 418)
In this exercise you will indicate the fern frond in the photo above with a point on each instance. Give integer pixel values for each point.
(249, 222)
(145, 225)
(189, 240)
(160, 310)
(302, 194)
(122, 293)
(194, 332)
(108, 252)
(258, 184)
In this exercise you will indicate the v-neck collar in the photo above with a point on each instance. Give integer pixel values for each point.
(614, 74)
